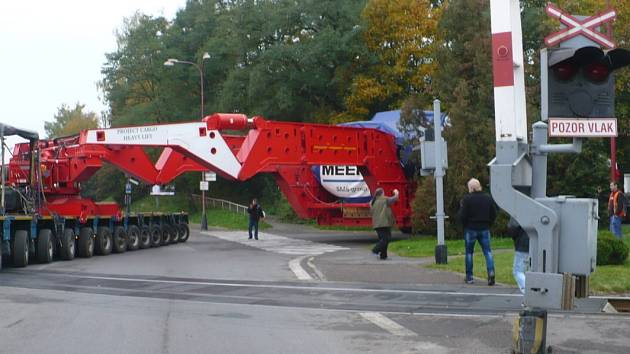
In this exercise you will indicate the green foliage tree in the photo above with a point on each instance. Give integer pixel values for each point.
(464, 84)
(69, 121)
(133, 75)
(284, 59)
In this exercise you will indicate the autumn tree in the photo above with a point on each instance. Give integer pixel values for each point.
(401, 38)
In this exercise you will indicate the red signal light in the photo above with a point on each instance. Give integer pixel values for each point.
(596, 72)
(564, 71)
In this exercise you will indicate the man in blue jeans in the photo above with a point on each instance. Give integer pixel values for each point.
(477, 214)
(521, 253)
(616, 209)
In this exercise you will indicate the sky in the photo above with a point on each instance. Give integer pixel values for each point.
(51, 53)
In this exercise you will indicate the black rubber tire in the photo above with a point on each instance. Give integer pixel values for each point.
(20, 248)
(145, 237)
(103, 245)
(156, 236)
(179, 230)
(86, 242)
(184, 232)
(173, 234)
(133, 238)
(45, 246)
(67, 251)
(165, 235)
(120, 240)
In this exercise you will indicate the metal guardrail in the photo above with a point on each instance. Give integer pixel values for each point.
(224, 204)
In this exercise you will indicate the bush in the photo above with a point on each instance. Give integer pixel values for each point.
(611, 250)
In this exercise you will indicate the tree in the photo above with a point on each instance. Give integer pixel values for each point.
(133, 74)
(401, 39)
(286, 60)
(283, 59)
(464, 85)
(70, 121)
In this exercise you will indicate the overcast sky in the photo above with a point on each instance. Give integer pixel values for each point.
(52, 52)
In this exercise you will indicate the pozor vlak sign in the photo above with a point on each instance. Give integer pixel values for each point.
(582, 127)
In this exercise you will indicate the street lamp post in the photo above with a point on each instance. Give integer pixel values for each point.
(172, 62)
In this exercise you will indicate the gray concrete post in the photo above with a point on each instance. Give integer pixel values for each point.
(441, 252)
(539, 160)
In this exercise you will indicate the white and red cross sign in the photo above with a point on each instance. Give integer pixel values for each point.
(575, 27)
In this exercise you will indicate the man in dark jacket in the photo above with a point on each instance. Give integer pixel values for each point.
(521, 252)
(477, 214)
(255, 213)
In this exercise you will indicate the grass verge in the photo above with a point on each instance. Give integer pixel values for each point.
(424, 246)
(605, 280)
(608, 279)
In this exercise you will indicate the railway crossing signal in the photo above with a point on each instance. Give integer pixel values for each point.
(577, 79)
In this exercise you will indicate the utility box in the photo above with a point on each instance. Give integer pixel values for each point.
(427, 155)
(577, 241)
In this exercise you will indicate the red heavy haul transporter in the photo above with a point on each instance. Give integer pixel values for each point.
(44, 215)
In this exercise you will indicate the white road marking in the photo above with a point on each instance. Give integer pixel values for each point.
(277, 244)
(319, 274)
(296, 268)
(283, 245)
(477, 315)
(387, 324)
(271, 286)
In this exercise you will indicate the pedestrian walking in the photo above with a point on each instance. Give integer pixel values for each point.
(382, 220)
(521, 253)
(616, 209)
(477, 214)
(255, 212)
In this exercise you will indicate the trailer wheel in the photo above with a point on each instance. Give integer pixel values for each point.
(184, 232)
(120, 240)
(67, 250)
(20, 248)
(145, 237)
(173, 235)
(45, 246)
(165, 235)
(104, 242)
(86, 242)
(156, 236)
(133, 238)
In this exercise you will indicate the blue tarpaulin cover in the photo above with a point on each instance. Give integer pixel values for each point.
(388, 122)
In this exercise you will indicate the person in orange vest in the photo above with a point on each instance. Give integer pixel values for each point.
(616, 209)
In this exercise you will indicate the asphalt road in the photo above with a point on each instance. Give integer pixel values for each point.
(297, 290)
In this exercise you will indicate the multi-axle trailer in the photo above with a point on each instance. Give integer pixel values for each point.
(44, 215)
